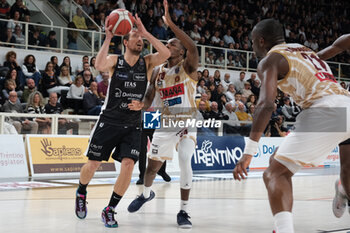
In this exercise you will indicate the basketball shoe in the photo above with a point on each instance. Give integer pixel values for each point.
(183, 220)
(108, 217)
(80, 205)
(136, 204)
(339, 200)
(165, 176)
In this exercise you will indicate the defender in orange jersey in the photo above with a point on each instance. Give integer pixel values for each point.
(323, 123)
(173, 87)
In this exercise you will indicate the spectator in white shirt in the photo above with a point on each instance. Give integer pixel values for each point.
(229, 110)
(220, 61)
(201, 88)
(75, 94)
(64, 78)
(247, 90)
(12, 23)
(20, 39)
(314, 45)
(230, 93)
(228, 39)
(239, 84)
(30, 70)
(226, 81)
(215, 40)
(195, 36)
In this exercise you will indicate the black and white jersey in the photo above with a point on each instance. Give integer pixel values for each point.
(127, 83)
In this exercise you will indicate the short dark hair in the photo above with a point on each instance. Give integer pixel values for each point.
(52, 33)
(127, 36)
(271, 30)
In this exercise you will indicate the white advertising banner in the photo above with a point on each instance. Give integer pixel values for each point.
(333, 158)
(268, 145)
(13, 161)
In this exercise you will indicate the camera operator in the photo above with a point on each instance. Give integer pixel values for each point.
(276, 128)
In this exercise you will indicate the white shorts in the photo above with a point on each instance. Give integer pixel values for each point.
(164, 143)
(318, 130)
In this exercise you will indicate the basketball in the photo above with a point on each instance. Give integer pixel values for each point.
(122, 22)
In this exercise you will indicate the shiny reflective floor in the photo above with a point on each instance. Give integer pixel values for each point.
(218, 204)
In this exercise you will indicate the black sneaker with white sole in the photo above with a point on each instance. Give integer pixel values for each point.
(183, 220)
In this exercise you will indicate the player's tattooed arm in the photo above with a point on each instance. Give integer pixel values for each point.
(151, 90)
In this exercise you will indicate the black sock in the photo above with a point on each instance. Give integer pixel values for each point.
(115, 198)
(82, 188)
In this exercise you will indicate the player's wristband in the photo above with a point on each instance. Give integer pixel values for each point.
(251, 147)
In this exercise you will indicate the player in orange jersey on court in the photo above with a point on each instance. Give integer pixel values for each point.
(299, 72)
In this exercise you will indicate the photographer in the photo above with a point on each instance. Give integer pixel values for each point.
(276, 128)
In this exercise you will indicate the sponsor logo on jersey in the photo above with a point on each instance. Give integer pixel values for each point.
(135, 152)
(172, 102)
(122, 76)
(139, 77)
(132, 95)
(120, 64)
(155, 151)
(128, 84)
(172, 91)
(123, 105)
(118, 93)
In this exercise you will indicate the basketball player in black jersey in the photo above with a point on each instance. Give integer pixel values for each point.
(342, 187)
(118, 126)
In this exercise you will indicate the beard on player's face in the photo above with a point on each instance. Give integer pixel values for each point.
(135, 47)
(135, 51)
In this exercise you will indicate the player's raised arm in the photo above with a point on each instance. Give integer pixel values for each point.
(163, 52)
(340, 45)
(105, 62)
(151, 89)
(192, 58)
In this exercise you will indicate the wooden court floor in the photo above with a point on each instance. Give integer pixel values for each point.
(217, 205)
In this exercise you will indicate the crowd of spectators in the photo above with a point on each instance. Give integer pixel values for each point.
(234, 100)
(219, 95)
(227, 24)
(18, 14)
(83, 89)
(27, 89)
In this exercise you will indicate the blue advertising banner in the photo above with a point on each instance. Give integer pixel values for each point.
(217, 153)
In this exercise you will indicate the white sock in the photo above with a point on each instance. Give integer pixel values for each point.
(284, 222)
(146, 192)
(184, 205)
